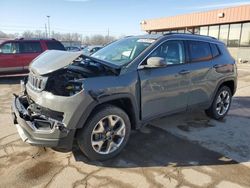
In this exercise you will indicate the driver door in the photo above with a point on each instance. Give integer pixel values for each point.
(165, 89)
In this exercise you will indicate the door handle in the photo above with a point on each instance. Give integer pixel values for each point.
(218, 66)
(184, 72)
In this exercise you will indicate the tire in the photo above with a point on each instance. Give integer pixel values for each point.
(105, 134)
(215, 111)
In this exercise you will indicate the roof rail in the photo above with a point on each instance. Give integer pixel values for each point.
(22, 38)
(190, 34)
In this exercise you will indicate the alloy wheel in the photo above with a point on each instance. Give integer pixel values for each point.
(108, 134)
(222, 102)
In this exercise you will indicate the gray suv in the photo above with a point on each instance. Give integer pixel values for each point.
(98, 99)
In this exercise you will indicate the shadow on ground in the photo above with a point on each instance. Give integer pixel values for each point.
(153, 147)
(13, 79)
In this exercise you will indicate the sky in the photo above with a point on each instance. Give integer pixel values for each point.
(90, 17)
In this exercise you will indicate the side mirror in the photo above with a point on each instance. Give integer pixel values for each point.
(155, 62)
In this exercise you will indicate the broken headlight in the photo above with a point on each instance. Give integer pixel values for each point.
(74, 87)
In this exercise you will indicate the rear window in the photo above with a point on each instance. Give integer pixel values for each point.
(215, 50)
(30, 47)
(54, 45)
(199, 51)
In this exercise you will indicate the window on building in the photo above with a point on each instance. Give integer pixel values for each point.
(234, 35)
(165, 32)
(199, 51)
(214, 31)
(30, 47)
(245, 35)
(223, 33)
(181, 30)
(204, 30)
(189, 30)
(196, 30)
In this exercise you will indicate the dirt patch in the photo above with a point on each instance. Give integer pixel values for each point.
(38, 170)
(15, 158)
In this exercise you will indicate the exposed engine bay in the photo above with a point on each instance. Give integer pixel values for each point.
(66, 81)
(69, 80)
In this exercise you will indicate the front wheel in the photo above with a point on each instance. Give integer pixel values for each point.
(105, 133)
(221, 104)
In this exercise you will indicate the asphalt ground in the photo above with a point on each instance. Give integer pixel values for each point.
(184, 150)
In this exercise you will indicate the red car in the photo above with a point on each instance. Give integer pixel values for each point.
(16, 55)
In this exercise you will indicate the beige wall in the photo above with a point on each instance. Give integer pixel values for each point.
(231, 15)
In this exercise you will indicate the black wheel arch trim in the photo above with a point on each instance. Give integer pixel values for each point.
(220, 83)
(109, 99)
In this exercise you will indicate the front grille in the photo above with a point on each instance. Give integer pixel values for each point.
(37, 83)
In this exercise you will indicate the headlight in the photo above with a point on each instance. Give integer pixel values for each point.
(74, 87)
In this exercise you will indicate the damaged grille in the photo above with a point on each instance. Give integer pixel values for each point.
(37, 83)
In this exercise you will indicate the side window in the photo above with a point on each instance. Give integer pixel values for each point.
(171, 51)
(54, 45)
(199, 51)
(10, 48)
(30, 47)
(215, 50)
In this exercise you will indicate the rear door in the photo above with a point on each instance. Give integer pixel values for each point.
(29, 50)
(9, 58)
(200, 58)
(165, 89)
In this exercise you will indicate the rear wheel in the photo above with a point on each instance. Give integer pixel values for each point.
(221, 104)
(105, 134)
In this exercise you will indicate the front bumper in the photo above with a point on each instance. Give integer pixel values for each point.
(57, 136)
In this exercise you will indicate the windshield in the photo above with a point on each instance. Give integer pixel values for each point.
(123, 51)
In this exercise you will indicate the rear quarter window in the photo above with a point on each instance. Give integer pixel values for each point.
(215, 50)
(199, 51)
(54, 45)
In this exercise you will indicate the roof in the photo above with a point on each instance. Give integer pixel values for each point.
(149, 36)
(219, 16)
(35, 39)
(180, 36)
(193, 37)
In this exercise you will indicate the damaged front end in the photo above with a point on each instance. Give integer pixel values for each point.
(47, 112)
(40, 126)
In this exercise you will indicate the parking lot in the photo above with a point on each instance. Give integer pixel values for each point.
(184, 150)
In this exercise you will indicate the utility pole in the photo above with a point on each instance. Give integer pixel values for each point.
(48, 26)
(46, 34)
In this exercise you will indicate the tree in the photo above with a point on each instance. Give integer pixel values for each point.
(65, 37)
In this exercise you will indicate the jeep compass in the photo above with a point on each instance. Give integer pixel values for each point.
(98, 99)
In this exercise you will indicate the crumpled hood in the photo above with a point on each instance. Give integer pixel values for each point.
(52, 60)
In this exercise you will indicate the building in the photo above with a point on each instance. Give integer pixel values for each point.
(230, 25)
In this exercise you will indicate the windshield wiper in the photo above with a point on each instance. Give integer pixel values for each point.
(102, 62)
(113, 68)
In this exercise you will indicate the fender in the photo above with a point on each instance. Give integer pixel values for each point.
(108, 98)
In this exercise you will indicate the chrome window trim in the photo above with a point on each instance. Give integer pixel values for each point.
(139, 67)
